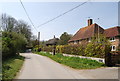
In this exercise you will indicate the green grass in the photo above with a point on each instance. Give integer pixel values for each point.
(74, 62)
(10, 67)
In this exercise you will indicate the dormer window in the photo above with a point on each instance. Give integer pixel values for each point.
(112, 39)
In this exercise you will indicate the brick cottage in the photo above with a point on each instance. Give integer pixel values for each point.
(84, 35)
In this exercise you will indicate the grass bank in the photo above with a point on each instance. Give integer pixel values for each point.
(10, 67)
(74, 62)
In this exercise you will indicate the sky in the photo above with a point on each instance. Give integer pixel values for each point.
(40, 12)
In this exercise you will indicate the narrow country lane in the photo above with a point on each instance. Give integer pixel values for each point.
(41, 67)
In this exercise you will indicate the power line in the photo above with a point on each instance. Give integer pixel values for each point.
(28, 15)
(62, 14)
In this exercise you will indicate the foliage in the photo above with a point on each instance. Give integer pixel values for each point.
(16, 35)
(10, 24)
(12, 43)
(11, 67)
(74, 62)
(118, 47)
(95, 48)
(64, 38)
(70, 49)
(98, 47)
(34, 43)
(23, 28)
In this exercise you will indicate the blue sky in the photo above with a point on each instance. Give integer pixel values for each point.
(41, 12)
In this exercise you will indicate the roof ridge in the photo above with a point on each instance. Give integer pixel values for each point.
(113, 27)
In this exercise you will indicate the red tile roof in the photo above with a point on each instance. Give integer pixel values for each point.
(86, 32)
(91, 30)
(112, 32)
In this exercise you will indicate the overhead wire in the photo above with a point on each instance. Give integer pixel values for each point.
(52, 18)
(63, 14)
(28, 16)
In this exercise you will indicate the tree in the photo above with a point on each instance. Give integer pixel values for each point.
(23, 28)
(16, 34)
(10, 24)
(64, 38)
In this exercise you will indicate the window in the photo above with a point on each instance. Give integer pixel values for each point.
(113, 48)
(75, 42)
(112, 39)
(89, 39)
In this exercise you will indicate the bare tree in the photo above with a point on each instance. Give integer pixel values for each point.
(8, 23)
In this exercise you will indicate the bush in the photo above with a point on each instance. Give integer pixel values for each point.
(95, 48)
(70, 49)
(12, 43)
(98, 47)
(67, 49)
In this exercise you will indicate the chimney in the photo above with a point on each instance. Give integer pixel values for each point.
(89, 22)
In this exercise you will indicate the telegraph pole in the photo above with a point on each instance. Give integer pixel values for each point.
(54, 46)
(98, 33)
(38, 41)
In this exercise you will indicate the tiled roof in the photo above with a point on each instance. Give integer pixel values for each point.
(111, 32)
(86, 32)
(89, 31)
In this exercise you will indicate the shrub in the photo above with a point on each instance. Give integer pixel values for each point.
(67, 49)
(12, 43)
(98, 47)
(95, 48)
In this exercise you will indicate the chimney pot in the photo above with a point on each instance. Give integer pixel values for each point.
(89, 22)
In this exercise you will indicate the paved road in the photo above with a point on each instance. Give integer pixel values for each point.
(41, 67)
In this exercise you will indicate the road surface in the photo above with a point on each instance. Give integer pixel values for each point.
(41, 67)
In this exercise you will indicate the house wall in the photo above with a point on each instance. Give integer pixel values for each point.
(116, 42)
(83, 42)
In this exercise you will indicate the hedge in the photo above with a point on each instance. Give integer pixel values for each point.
(95, 51)
(95, 48)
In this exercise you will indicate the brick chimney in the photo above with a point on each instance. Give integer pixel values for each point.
(89, 22)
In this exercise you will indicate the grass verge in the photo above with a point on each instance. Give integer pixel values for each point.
(10, 67)
(74, 62)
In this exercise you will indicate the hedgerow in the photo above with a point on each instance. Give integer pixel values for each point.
(95, 48)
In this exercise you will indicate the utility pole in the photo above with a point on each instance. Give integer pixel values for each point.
(38, 41)
(98, 33)
(54, 48)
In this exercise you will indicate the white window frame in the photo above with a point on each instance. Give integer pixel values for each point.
(89, 39)
(112, 48)
(75, 42)
(112, 39)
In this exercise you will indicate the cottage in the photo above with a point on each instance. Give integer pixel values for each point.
(53, 41)
(84, 34)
